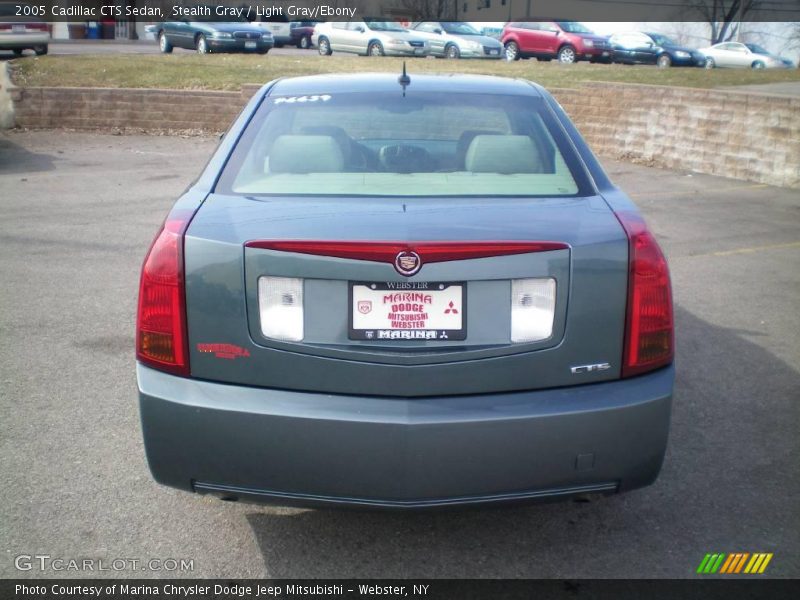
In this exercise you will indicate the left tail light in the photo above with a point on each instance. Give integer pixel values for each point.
(161, 334)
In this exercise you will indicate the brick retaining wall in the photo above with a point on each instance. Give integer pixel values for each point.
(743, 135)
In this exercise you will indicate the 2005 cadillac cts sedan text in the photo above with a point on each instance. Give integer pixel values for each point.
(404, 293)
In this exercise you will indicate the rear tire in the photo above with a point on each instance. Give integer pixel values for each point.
(305, 43)
(664, 61)
(710, 64)
(375, 49)
(262, 52)
(18, 52)
(758, 65)
(452, 51)
(324, 46)
(40, 50)
(163, 43)
(512, 51)
(201, 44)
(567, 55)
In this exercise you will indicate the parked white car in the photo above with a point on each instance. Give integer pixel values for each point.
(280, 29)
(369, 37)
(452, 39)
(734, 54)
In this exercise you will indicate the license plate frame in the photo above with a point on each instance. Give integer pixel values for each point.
(449, 292)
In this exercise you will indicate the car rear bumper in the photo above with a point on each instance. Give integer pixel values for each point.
(602, 52)
(10, 41)
(294, 448)
(692, 61)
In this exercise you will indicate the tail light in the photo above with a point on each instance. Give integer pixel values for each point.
(161, 336)
(649, 338)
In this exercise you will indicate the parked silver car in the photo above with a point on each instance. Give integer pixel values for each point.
(734, 54)
(453, 39)
(371, 37)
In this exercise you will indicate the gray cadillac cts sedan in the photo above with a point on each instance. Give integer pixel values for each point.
(404, 293)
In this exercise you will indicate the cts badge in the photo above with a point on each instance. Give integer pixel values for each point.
(590, 368)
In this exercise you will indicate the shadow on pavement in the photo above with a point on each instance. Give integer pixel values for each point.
(16, 159)
(714, 494)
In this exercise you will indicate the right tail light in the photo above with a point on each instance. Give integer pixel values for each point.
(649, 324)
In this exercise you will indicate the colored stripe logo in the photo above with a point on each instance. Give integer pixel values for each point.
(734, 563)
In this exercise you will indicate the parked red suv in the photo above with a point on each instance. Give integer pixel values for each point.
(568, 41)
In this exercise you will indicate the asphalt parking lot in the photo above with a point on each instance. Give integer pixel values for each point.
(77, 212)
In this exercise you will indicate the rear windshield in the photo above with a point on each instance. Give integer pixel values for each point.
(424, 144)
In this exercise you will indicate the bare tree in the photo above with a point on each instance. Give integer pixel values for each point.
(723, 16)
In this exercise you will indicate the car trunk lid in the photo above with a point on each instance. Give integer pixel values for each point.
(235, 241)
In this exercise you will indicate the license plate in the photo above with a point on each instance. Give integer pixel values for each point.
(494, 52)
(249, 44)
(605, 53)
(419, 50)
(18, 28)
(408, 311)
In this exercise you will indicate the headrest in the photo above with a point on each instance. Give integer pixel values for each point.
(305, 154)
(503, 154)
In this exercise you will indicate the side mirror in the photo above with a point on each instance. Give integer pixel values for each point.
(439, 31)
(360, 29)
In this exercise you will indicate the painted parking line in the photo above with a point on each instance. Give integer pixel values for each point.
(705, 191)
(754, 249)
(736, 251)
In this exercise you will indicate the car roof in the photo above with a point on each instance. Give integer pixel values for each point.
(387, 82)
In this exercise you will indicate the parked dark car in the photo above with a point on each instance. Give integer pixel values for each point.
(632, 47)
(212, 36)
(301, 32)
(568, 41)
(404, 292)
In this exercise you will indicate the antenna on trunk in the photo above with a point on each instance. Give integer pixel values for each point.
(404, 79)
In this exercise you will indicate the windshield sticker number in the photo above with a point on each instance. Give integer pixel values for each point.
(302, 99)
